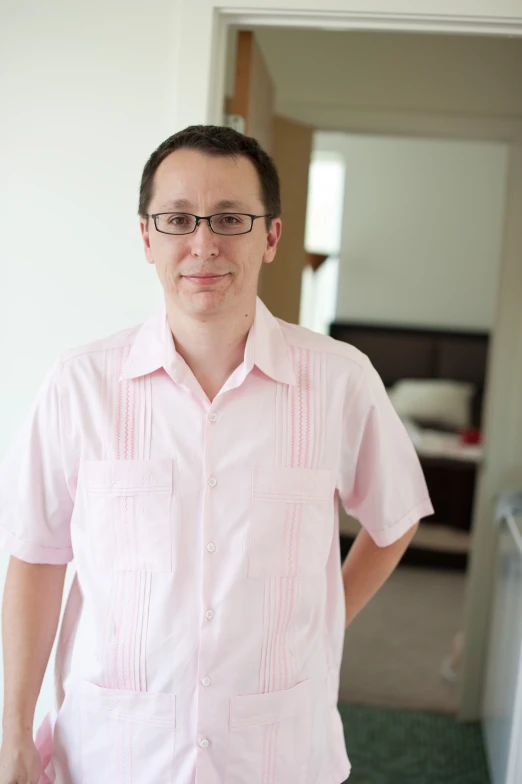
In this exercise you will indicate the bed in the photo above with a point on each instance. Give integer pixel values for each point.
(400, 353)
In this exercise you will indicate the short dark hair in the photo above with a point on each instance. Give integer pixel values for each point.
(216, 140)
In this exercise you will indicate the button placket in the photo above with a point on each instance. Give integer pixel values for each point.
(207, 696)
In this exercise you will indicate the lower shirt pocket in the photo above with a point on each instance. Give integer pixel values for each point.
(127, 736)
(269, 736)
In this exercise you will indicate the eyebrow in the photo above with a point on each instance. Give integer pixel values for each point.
(184, 204)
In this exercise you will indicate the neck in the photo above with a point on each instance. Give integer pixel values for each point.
(212, 348)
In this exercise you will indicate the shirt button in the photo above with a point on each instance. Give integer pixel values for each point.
(209, 614)
(213, 417)
(206, 681)
(203, 743)
(212, 482)
(211, 547)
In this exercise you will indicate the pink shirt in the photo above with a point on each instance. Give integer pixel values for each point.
(203, 634)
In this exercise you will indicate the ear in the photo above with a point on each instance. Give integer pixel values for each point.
(145, 224)
(272, 238)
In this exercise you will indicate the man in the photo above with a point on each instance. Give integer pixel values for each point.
(191, 467)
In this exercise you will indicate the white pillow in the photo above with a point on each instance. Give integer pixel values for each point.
(447, 403)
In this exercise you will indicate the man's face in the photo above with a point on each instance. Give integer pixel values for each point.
(203, 273)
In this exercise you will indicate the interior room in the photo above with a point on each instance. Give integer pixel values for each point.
(415, 220)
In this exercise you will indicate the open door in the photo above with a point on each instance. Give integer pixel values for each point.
(253, 98)
(290, 145)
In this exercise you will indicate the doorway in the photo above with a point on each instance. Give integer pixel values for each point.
(405, 156)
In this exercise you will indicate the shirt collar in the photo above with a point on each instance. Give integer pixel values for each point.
(266, 348)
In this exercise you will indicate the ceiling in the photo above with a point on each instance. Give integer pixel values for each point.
(334, 79)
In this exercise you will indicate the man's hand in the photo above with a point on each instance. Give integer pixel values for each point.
(19, 761)
(30, 614)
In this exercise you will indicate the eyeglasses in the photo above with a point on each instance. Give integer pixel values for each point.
(221, 223)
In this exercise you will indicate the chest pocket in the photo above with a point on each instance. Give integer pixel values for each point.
(129, 513)
(292, 519)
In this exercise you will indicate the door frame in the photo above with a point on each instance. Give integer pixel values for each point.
(199, 56)
(200, 97)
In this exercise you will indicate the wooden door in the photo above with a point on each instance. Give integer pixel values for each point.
(290, 145)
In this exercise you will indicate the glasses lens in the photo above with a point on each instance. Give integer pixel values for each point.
(176, 223)
(231, 223)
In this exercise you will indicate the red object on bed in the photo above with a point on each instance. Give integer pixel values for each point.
(470, 435)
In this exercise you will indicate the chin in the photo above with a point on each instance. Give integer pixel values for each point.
(207, 301)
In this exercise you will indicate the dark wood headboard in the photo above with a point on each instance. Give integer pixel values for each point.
(406, 352)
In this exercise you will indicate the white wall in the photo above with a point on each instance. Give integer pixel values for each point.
(502, 467)
(86, 97)
(422, 230)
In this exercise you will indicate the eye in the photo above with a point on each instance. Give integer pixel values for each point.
(178, 219)
(231, 220)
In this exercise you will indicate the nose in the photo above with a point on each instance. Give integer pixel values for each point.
(203, 242)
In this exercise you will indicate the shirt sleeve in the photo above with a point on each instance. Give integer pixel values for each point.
(381, 482)
(35, 499)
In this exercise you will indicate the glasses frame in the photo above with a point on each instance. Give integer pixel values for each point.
(208, 218)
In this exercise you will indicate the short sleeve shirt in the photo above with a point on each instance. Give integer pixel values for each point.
(203, 634)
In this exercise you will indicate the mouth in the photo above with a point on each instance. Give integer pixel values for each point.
(205, 278)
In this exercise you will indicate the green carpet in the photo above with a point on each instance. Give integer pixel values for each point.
(388, 746)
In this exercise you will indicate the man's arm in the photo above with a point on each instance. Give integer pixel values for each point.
(30, 615)
(367, 567)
